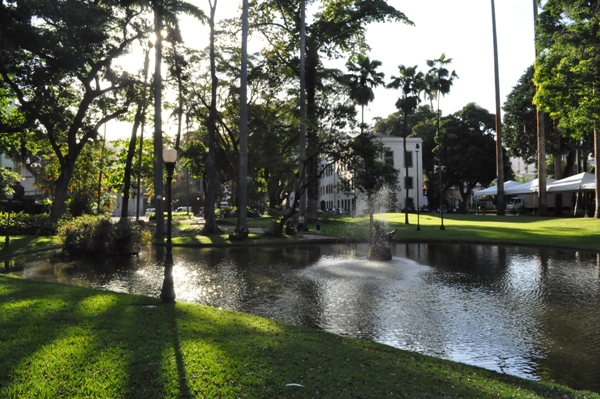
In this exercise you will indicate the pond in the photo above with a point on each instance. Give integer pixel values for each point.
(530, 312)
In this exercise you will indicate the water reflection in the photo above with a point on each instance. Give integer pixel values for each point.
(519, 310)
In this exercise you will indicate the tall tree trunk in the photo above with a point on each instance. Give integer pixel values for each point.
(541, 136)
(242, 223)
(140, 151)
(158, 161)
(597, 172)
(210, 225)
(129, 161)
(501, 201)
(302, 166)
(312, 146)
(558, 173)
(61, 189)
(179, 101)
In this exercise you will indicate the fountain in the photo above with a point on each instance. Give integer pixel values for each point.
(379, 247)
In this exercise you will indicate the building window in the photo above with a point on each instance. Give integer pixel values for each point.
(408, 161)
(389, 157)
(408, 182)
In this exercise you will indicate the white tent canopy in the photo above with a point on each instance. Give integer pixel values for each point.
(582, 181)
(494, 189)
(527, 188)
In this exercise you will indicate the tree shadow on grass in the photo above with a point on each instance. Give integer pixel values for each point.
(74, 342)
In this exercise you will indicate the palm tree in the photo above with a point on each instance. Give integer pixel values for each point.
(302, 73)
(210, 222)
(243, 189)
(500, 200)
(411, 84)
(165, 15)
(439, 81)
(362, 80)
(541, 133)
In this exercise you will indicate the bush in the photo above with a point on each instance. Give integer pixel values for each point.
(274, 229)
(98, 236)
(23, 223)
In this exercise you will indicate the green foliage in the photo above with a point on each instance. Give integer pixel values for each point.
(23, 223)
(439, 79)
(53, 58)
(7, 180)
(115, 178)
(568, 70)
(369, 171)
(98, 236)
(467, 149)
(520, 124)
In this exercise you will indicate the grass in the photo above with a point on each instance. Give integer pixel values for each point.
(70, 342)
(532, 230)
(553, 231)
(26, 243)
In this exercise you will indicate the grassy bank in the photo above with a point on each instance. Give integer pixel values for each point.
(550, 231)
(26, 243)
(534, 230)
(65, 342)
(565, 231)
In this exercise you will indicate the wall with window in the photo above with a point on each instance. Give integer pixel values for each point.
(332, 196)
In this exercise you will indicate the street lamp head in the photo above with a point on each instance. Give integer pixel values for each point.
(169, 155)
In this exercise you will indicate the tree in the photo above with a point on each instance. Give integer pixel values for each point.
(139, 117)
(521, 128)
(439, 79)
(500, 198)
(520, 119)
(338, 27)
(411, 83)
(361, 80)
(541, 133)
(242, 224)
(370, 173)
(210, 225)
(165, 16)
(466, 143)
(567, 71)
(8, 179)
(57, 63)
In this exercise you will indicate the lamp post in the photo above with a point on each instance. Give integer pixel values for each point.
(418, 191)
(439, 165)
(167, 293)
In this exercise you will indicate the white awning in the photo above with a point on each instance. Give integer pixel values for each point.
(494, 189)
(582, 181)
(527, 188)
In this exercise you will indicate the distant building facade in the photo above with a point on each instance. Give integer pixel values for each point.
(333, 197)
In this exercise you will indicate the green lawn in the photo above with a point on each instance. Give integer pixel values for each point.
(551, 231)
(26, 243)
(58, 341)
(566, 231)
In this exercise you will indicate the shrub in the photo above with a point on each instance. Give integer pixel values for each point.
(98, 236)
(23, 223)
(274, 229)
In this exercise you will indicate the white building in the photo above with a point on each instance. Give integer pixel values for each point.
(332, 197)
(28, 181)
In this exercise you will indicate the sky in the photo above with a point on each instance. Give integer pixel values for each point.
(461, 29)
